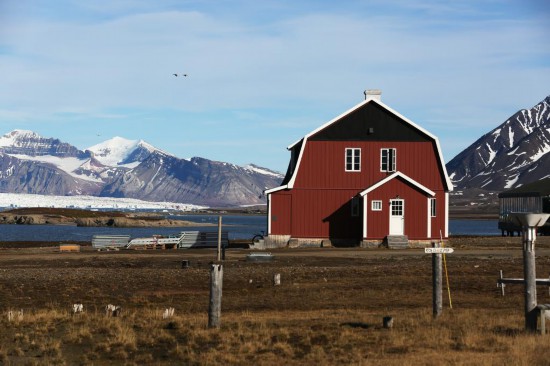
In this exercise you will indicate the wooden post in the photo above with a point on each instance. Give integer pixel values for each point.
(502, 285)
(530, 278)
(387, 322)
(277, 279)
(437, 278)
(543, 321)
(219, 238)
(215, 306)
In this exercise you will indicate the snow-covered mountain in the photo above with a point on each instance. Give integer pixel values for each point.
(23, 142)
(163, 177)
(513, 154)
(119, 167)
(120, 151)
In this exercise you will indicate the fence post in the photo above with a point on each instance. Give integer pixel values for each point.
(219, 238)
(387, 322)
(530, 278)
(215, 306)
(502, 285)
(277, 279)
(437, 270)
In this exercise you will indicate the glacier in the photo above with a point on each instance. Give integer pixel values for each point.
(14, 200)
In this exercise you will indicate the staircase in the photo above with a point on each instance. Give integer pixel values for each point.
(397, 241)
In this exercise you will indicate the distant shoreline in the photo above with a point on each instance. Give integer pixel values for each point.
(470, 216)
(85, 218)
(81, 217)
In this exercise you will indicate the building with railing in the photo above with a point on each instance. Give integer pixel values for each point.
(533, 197)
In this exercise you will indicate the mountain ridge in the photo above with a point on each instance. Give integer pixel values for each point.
(514, 153)
(30, 163)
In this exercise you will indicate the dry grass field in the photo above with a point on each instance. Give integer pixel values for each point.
(328, 309)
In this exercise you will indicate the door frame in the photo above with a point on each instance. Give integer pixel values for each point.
(401, 230)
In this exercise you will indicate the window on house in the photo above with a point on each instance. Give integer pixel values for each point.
(353, 160)
(387, 160)
(376, 205)
(432, 207)
(355, 206)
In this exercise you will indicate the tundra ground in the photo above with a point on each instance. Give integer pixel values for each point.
(328, 309)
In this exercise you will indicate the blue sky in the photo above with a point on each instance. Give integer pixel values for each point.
(261, 74)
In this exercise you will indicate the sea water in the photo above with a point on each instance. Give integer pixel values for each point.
(238, 227)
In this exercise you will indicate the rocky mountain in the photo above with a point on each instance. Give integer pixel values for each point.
(513, 154)
(118, 167)
(163, 177)
(21, 142)
(36, 177)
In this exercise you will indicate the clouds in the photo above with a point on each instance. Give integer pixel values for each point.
(439, 63)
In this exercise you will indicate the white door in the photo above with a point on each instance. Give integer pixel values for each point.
(397, 217)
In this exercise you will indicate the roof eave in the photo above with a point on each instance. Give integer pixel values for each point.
(395, 175)
(276, 189)
(449, 186)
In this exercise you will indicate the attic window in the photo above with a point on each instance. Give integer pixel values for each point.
(353, 160)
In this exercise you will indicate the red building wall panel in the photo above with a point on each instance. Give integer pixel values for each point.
(416, 210)
(323, 164)
(438, 222)
(281, 213)
(318, 206)
(324, 214)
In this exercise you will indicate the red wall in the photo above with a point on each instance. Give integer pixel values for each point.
(318, 205)
(281, 212)
(323, 164)
(315, 214)
(416, 210)
(438, 222)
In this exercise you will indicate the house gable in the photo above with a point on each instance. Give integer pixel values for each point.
(382, 124)
(370, 122)
(405, 178)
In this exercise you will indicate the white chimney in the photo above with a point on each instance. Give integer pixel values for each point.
(374, 94)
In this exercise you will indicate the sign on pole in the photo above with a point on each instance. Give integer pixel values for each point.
(438, 250)
(437, 280)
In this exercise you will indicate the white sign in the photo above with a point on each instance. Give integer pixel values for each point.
(438, 250)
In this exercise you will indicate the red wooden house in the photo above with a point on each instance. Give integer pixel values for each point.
(368, 176)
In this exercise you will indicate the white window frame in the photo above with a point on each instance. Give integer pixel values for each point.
(355, 153)
(355, 206)
(391, 166)
(376, 205)
(433, 208)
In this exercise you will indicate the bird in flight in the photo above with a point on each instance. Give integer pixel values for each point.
(176, 75)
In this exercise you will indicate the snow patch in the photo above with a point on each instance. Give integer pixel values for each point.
(68, 164)
(490, 180)
(510, 182)
(113, 151)
(496, 134)
(544, 149)
(264, 171)
(492, 154)
(510, 136)
(514, 151)
(11, 138)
